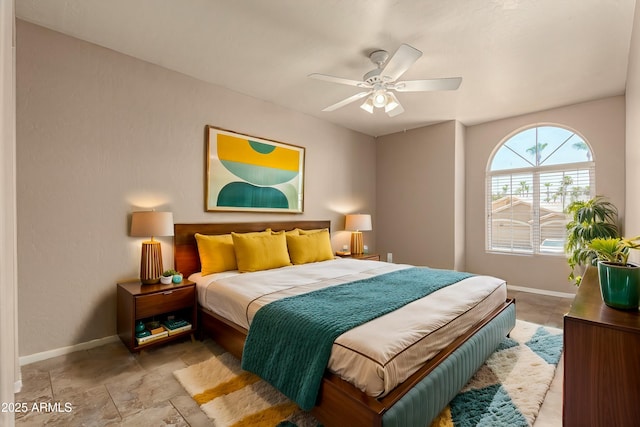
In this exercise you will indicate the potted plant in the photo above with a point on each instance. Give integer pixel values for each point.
(167, 277)
(619, 279)
(594, 218)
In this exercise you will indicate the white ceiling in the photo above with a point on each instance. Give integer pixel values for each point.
(515, 56)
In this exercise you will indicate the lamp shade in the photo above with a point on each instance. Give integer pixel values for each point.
(358, 222)
(151, 223)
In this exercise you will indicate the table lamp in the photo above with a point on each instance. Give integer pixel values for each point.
(357, 223)
(150, 224)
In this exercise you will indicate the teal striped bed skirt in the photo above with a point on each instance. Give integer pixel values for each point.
(428, 398)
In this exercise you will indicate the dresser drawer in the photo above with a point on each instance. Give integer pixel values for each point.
(163, 302)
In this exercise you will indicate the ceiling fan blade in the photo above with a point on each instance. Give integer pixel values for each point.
(339, 80)
(429, 85)
(400, 62)
(346, 101)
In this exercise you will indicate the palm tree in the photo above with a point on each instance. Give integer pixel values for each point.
(575, 193)
(536, 151)
(524, 188)
(548, 189)
(563, 190)
(582, 146)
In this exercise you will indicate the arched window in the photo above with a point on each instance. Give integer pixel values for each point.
(531, 179)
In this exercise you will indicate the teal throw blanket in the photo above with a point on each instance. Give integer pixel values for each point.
(290, 340)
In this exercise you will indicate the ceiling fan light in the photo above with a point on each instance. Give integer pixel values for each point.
(367, 105)
(392, 103)
(379, 99)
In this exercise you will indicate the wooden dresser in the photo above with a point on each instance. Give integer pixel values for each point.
(601, 361)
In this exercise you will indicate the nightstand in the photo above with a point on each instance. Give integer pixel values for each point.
(138, 302)
(374, 257)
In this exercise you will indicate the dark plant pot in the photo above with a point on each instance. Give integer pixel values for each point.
(620, 285)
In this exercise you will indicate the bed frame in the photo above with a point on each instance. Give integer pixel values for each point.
(415, 402)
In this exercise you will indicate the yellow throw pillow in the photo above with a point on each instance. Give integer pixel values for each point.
(313, 247)
(316, 230)
(256, 251)
(290, 232)
(216, 253)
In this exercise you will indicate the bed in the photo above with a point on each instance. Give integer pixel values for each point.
(412, 399)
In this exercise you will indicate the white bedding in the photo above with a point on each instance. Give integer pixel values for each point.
(380, 354)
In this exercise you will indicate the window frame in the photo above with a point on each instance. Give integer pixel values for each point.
(536, 172)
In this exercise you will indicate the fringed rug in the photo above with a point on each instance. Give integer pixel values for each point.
(507, 390)
(510, 386)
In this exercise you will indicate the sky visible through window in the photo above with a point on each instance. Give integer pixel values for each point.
(541, 146)
(548, 147)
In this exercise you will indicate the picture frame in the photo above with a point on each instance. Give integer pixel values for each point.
(252, 174)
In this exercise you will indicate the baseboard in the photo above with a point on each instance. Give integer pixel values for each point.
(542, 292)
(37, 357)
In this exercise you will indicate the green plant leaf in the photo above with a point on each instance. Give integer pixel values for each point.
(592, 219)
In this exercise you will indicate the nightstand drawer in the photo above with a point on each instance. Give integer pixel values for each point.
(163, 302)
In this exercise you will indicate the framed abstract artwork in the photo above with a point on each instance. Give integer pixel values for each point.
(246, 173)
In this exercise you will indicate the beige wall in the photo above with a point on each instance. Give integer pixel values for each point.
(9, 369)
(632, 217)
(101, 133)
(416, 202)
(602, 123)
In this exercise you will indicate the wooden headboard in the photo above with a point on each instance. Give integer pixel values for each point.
(185, 248)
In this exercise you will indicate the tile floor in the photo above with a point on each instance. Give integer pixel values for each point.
(108, 386)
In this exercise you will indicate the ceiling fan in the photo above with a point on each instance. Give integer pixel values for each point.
(382, 81)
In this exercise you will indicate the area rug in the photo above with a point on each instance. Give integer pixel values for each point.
(507, 390)
(510, 386)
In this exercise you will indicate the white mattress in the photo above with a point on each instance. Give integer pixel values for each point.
(375, 356)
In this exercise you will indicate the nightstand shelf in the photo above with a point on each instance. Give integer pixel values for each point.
(374, 257)
(154, 302)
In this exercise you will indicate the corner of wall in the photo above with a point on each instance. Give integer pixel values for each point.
(418, 183)
(632, 136)
(459, 255)
(9, 368)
